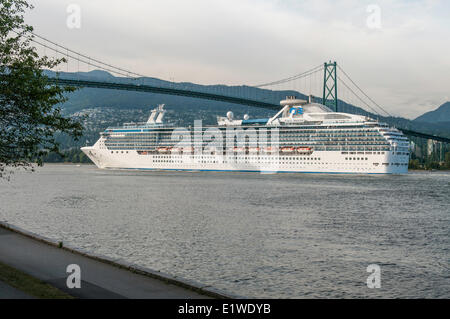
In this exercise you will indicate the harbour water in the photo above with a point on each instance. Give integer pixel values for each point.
(254, 235)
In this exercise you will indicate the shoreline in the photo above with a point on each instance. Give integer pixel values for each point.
(92, 164)
(189, 285)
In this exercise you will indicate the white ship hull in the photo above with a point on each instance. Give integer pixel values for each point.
(318, 162)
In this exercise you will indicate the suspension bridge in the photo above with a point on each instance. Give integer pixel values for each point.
(321, 82)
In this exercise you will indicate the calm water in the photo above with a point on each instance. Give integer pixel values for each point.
(286, 235)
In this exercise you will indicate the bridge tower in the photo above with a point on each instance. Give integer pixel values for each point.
(330, 85)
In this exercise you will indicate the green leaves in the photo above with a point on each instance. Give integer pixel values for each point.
(29, 112)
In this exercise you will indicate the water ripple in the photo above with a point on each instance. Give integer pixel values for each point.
(286, 235)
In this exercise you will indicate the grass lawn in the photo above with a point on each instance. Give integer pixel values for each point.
(30, 285)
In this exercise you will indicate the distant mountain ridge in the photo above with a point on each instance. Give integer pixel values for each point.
(441, 114)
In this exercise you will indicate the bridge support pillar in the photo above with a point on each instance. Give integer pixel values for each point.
(330, 85)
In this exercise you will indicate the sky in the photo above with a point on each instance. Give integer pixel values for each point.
(396, 51)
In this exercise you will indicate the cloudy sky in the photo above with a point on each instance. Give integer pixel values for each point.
(401, 59)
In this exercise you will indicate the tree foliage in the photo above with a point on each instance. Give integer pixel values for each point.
(29, 111)
(74, 155)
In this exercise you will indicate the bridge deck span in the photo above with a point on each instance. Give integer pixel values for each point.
(163, 90)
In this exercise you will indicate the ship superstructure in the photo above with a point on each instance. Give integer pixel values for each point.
(302, 137)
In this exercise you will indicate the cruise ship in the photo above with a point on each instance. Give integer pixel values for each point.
(303, 137)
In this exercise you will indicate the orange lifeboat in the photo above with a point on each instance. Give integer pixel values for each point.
(176, 149)
(304, 149)
(162, 149)
(188, 150)
(288, 149)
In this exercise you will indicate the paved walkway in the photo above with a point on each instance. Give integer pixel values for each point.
(8, 292)
(98, 279)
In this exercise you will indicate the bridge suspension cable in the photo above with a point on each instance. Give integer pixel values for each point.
(356, 95)
(292, 78)
(83, 61)
(80, 57)
(364, 93)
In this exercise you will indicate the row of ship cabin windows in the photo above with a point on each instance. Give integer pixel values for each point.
(248, 158)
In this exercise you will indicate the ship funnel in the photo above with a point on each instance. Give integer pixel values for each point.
(161, 114)
(157, 115)
(151, 119)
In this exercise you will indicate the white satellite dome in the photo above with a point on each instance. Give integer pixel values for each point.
(230, 115)
(246, 117)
